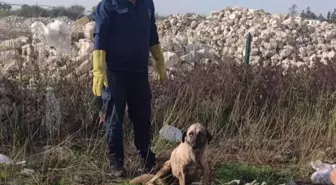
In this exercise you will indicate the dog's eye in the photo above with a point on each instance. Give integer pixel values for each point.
(191, 133)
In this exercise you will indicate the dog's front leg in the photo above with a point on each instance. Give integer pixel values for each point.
(181, 175)
(182, 178)
(164, 170)
(206, 170)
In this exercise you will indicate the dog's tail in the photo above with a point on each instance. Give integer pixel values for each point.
(142, 179)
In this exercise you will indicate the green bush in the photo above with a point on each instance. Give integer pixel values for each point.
(4, 13)
(74, 12)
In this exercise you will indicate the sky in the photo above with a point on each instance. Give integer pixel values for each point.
(165, 7)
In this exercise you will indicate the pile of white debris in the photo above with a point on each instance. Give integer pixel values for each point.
(187, 39)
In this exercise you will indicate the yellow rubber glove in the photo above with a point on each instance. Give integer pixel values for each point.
(99, 72)
(157, 53)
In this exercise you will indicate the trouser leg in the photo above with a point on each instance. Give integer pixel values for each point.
(139, 109)
(114, 107)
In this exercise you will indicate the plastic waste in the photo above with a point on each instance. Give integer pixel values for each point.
(322, 173)
(171, 133)
(56, 34)
(53, 116)
(6, 160)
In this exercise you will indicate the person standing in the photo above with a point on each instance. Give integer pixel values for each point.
(125, 32)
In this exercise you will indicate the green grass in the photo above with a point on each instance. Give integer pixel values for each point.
(249, 173)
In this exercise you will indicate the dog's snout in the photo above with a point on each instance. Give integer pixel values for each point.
(198, 142)
(198, 138)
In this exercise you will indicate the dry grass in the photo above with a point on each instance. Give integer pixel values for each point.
(259, 115)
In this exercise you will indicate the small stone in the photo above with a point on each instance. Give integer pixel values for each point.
(193, 24)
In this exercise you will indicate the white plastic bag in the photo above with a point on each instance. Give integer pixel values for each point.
(171, 133)
(53, 116)
(56, 34)
(6, 160)
(322, 173)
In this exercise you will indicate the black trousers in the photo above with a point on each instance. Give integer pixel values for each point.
(133, 89)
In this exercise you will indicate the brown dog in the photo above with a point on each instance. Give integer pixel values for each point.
(191, 151)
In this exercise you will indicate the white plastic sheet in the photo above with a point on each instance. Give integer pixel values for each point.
(171, 133)
(6, 160)
(322, 173)
(53, 116)
(56, 34)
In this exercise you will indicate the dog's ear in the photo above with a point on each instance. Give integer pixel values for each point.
(184, 134)
(209, 136)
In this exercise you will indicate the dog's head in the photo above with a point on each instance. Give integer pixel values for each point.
(197, 136)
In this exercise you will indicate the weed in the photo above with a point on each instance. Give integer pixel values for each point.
(250, 173)
(259, 115)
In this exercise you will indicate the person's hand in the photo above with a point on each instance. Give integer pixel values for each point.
(157, 53)
(99, 72)
(333, 176)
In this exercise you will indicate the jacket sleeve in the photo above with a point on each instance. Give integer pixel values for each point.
(154, 38)
(102, 16)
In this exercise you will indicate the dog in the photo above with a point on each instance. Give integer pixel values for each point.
(191, 151)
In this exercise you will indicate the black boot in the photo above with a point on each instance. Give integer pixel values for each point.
(151, 169)
(149, 163)
(117, 169)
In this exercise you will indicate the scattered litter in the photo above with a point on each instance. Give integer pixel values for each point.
(322, 173)
(27, 172)
(252, 183)
(53, 116)
(233, 182)
(6, 160)
(171, 133)
(255, 183)
(238, 182)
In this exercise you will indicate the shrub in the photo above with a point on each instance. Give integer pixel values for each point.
(289, 113)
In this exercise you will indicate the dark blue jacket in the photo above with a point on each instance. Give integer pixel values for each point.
(126, 32)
